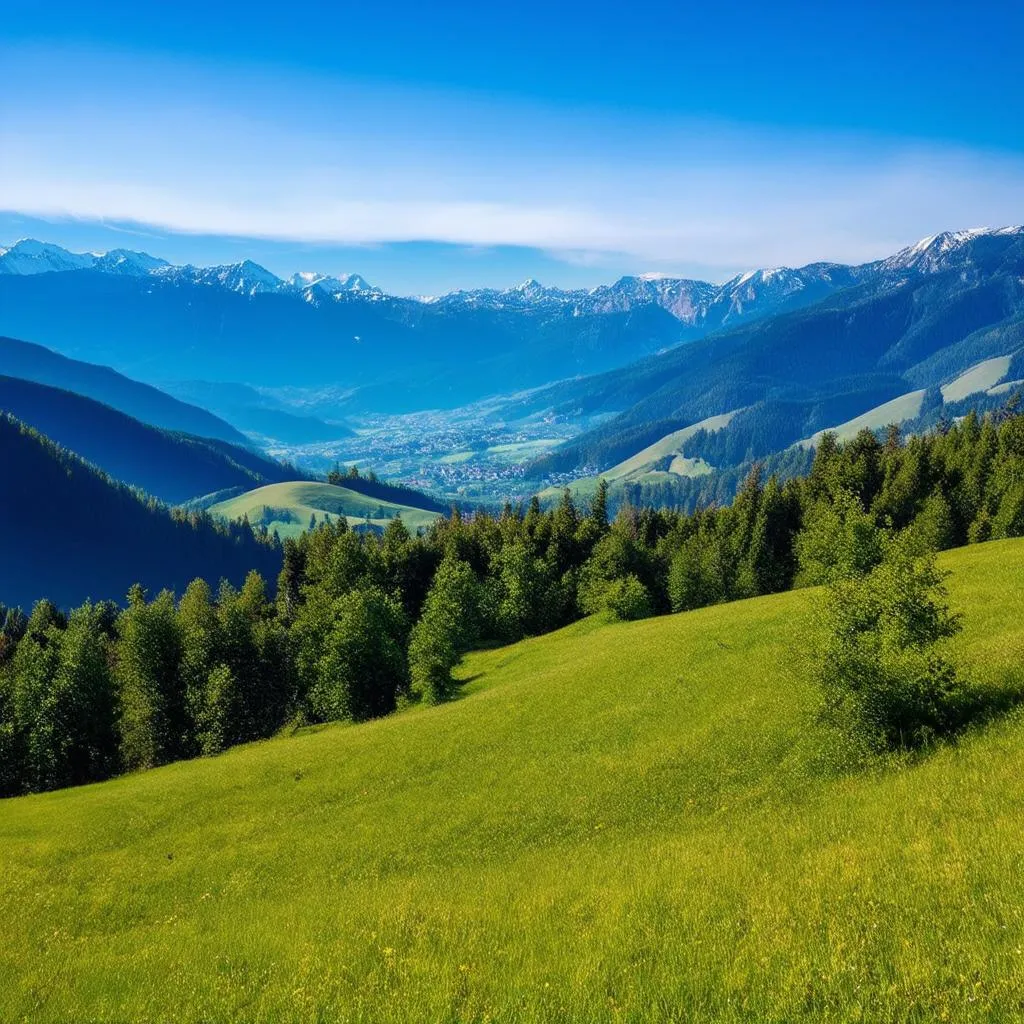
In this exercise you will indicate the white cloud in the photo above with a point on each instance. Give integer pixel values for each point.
(348, 164)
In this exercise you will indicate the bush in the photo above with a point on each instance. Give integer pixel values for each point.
(628, 599)
(879, 658)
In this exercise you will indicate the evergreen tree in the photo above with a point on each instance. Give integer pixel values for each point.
(449, 626)
(362, 668)
(154, 724)
(839, 540)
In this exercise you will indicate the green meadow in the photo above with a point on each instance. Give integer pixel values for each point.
(616, 822)
(287, 507)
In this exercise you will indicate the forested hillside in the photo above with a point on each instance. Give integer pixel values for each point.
(173, 467)
(800, 372)
(68, 532)
(148, 404)
(363, 624)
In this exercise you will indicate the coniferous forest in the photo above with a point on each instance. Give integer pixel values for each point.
(357, 625)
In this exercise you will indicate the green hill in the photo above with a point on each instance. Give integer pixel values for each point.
(287, 507)
(630, 822)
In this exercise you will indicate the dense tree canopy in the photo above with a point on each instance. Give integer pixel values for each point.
(362, 623)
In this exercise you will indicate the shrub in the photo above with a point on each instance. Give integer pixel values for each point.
(628, 599)
(879, 658)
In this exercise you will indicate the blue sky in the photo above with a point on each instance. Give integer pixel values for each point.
(437, 146)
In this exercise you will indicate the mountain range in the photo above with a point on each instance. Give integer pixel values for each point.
(234, 323)
(785, 353)
(950, 305)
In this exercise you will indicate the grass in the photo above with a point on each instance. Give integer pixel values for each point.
(980, 377)
(287, 507)
(897, 410)
(453, 458)
(670, 444)
(629, 822)
(520, 451)
(637, 468)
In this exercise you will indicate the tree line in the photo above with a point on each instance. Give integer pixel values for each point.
(359, 625)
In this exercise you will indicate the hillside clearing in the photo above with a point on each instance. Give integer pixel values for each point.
(616, 822)
(905, 407)
(981, 377)
(638, 468)
(288, 507)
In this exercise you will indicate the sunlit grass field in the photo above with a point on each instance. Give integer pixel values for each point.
(630, 822)
(291, 504)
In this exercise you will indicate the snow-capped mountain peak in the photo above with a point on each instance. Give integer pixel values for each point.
(934, 252)
(30, 256)
(126, 261)
(331, 285)
(246, 277)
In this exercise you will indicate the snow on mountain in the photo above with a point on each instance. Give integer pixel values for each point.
(125, 261)
(29, 256)
(695, 304)
(939, 252)
(246, 278)
(332, 285)
(686, 300)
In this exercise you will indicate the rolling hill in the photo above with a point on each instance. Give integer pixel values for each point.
(288, 507)
(71, 533)
(173, 467)
(148, 404)
(630, 822)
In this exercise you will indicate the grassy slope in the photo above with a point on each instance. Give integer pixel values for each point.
(305, 498)
(617, 823)
(980, 377)
(637, 467)
(906, 407)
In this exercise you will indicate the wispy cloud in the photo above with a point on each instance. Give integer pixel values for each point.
(234, 153)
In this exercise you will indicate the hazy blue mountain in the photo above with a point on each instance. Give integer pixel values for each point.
(914, 322)
(172, 466)
(143, 402)
(242, 323)
(256, 412)
(390, 354)
(68, 531)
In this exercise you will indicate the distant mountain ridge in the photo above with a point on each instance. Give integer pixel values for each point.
(148, 404)
(692, 302)
(235, 323)
(172, 466)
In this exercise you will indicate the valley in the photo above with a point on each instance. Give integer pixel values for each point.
(511, 513)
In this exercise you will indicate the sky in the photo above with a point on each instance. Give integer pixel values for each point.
(437, 146)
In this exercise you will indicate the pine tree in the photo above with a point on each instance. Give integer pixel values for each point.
(291, 579)
(154, 720)
(449, 626)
